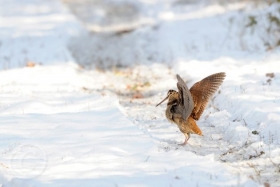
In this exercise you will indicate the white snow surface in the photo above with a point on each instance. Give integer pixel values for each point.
(85, 114)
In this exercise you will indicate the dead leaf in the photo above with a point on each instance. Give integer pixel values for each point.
(270, 75)
(266, 184)
(30, 64)
(137, 96)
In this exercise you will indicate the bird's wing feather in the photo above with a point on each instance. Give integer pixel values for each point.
(203, 90)
(185, 104)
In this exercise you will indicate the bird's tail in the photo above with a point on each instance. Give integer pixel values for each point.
(194, 127)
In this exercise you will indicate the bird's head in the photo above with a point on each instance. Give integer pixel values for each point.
(172, 96)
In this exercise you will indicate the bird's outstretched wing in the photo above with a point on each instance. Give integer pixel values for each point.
(203, 90)
(185, 104)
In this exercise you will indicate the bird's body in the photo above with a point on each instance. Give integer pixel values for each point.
(186, 106)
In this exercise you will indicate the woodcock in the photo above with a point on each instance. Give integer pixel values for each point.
(186, 106)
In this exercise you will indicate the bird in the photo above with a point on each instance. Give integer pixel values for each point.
(185, 106)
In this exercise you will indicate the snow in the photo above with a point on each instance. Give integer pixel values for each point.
(79, 83)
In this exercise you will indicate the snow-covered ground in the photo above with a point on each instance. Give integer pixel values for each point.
(79, 82)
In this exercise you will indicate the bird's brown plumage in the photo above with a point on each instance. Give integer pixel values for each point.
(186, 106)
(203, 90)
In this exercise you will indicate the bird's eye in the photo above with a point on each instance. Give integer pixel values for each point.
(169, 92)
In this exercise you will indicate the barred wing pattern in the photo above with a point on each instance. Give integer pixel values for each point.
(186, 104)
(203, 90)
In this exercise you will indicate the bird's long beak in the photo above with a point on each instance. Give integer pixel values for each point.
(162, 101)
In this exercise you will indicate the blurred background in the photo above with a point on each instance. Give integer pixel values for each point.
(126, 32)
(123, 33)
